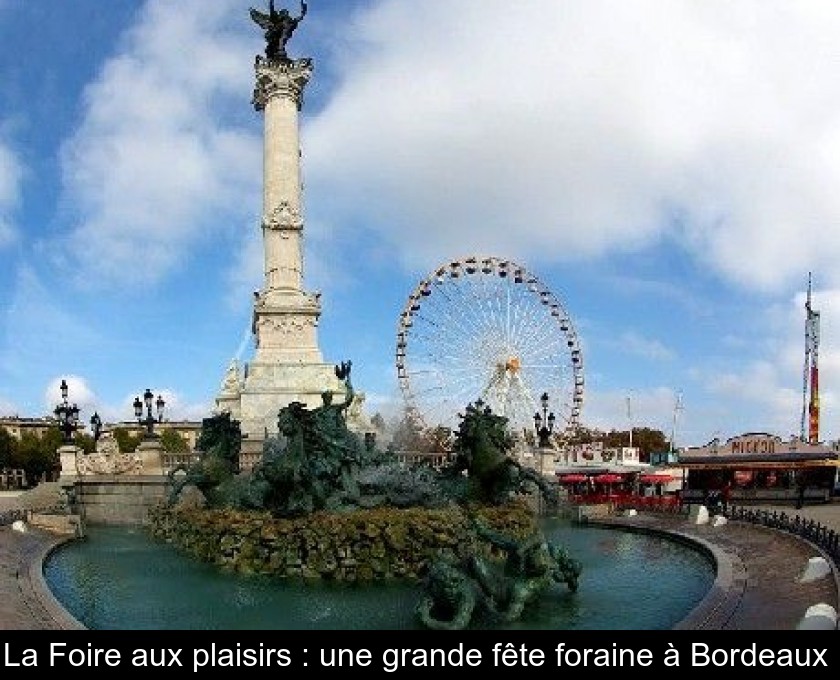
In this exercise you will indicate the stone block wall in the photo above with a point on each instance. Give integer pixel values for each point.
(362, 545)
(119, 499)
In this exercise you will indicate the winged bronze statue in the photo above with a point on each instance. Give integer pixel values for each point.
(278, 27)
(342, 371)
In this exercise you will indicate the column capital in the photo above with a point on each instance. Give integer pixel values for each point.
(280, 79)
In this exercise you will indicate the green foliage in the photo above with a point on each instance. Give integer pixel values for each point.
(649, 441)
(221, 436)
(38, 456)
(173, 442)
(51, 440)
(582, 435)
(127, 442)
(219, 444)
(85, 442)
(644, 438)
(8, 448)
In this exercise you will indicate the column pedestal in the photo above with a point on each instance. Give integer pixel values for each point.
(151, 457)
(67, 454)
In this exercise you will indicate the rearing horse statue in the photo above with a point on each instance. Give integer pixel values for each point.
(482, 443)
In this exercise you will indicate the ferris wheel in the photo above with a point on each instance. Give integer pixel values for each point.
(483, 328)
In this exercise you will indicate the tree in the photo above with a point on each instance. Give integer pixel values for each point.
(378, 422)
(644, 438)
(51, 440)
(85, 442)
(581, 435)
(649, 441)
(615, 439)
(409, 435)
(173, 442)
(38, 456)
(127, 442)
(8, 448)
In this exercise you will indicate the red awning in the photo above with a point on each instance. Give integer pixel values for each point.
(572, 479)
(655, 478)
(607, 479)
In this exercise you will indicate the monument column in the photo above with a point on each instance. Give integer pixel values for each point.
(279, 93)
(287, 365)
(285, 317)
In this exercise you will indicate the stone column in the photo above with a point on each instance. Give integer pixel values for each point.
(285, 317)
(287, 364)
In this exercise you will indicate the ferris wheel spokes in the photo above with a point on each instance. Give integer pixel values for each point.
(484, 328)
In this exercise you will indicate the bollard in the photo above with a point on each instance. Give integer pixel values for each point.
(820, 616)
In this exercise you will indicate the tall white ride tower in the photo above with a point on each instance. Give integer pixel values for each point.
(287, 365)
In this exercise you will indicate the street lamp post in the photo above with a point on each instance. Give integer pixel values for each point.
(96, 426)
(67, 415)
(149, 420)
(544, 424)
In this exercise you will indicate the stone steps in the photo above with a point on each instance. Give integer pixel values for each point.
(43, 498)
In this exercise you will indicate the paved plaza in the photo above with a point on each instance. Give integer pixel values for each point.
(757, 586)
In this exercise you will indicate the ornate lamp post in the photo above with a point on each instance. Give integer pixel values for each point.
(149, 420)
(67, 415)
(544, 424)
(96, 426)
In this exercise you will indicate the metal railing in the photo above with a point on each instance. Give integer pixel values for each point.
(12, 478)
(169, 460)
(434, 459)
(827, 539)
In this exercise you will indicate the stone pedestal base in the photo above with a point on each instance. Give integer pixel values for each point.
(269, 387)
(151, 457)
(539, 460)
(67, 459)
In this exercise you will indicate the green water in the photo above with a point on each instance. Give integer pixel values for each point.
(119, 578)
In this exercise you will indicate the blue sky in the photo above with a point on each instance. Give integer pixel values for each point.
(669, 170)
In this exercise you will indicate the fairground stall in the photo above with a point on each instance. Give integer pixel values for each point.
(591, 474)
(760, 467)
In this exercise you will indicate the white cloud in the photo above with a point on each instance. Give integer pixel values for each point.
(652, 408)
(649, 348)
(773, 404)
(768, 391)
(155, 169)
(78, 393)
(176, 407)
(548, 131)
